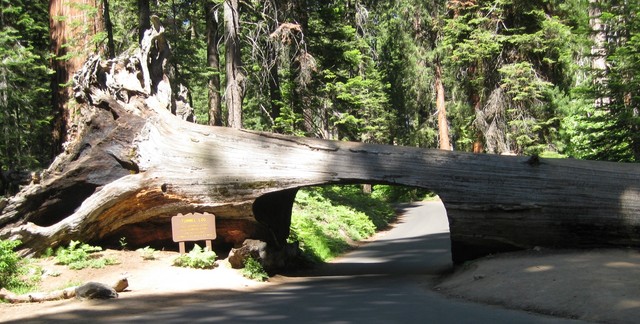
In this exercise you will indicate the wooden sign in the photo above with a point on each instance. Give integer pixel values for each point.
(193, 227)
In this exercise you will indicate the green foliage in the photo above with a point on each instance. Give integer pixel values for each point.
(515, 61)
(9, 263)
(147, 253)
(325, 219)
(254, 270)
(396, 194)
(25, 112)
(17, 274)
(522, 83)
(80, 255)
(605, 124)
(287, 122)
(198, 258)
(123, 243)
(124, 17)
(48, 252)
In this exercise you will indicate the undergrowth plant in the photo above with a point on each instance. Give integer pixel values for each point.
(198, 258)
(147, 253)
(254, 270)
(9, 263)
(123, 243)
(326, 220)
(16, 273)
(80, 255)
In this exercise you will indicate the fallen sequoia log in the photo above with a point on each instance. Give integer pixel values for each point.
(90, 290)
(134, 163)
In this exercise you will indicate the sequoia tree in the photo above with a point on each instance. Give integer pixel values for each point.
(73, 24)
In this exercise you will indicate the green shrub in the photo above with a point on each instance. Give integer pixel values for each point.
(198, 258)
(325, 219)
(254, 270)
(147, 253)
(78, 256)
(48, 252)
(16, 273)
(9, 263)
(123, 243)
(396, 194)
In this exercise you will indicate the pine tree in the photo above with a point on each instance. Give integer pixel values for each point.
(24, 86)
(607, 125)
(513, 59)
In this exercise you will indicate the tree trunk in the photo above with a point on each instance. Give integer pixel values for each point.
(235, 77)
(144, 18)
(443, 124)
(213, 61)
(7, 129)
(71, 30)
(134, 165)
(478, 144)
(274, 85)
(598, 51)
(108, 26)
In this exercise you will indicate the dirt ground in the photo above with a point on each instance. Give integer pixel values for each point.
(597, 285)
(146, 278)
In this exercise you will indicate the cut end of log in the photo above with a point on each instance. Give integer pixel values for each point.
(121, 285)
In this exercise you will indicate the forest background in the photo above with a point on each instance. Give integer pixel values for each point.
(550, 77)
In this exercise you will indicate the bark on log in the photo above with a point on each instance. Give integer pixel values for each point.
(38, 297)
(135, 165)
(10, 297)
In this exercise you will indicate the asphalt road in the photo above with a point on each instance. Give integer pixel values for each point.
(385, 281)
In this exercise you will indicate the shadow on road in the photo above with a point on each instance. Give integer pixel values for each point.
(301, 301)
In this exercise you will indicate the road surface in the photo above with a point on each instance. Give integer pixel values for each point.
(385, 281)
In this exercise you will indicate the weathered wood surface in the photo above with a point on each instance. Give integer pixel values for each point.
(134, 164)
(38, 297)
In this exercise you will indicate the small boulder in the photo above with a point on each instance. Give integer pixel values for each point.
(270, 258)
(255, 249)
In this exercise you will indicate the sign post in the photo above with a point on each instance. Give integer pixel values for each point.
(193, 227)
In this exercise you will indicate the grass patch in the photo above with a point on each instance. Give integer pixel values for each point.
(326, 219)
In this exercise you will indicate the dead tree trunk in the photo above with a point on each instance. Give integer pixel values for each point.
(443, 125)
(213, 62)
(134, 165)
(235, 77)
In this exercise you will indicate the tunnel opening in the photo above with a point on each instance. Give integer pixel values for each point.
(333, 219)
